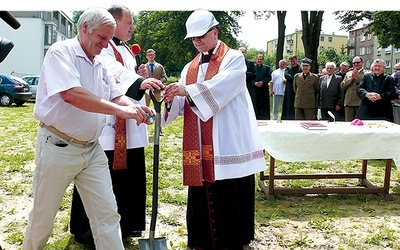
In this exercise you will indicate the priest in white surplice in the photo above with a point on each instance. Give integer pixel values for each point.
(221, 144)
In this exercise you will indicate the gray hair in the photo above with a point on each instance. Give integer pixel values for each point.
(95, 18)
(331, 64)
(380, 61)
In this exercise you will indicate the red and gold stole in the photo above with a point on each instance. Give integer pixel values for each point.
(119, 160)
(198, 165)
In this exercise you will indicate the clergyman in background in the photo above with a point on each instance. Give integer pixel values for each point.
(288, 97)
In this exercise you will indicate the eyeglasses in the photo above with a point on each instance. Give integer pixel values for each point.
(356, 62)
(396, 69)
(201, 37)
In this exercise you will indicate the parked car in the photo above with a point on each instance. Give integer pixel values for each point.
(13, 90)
(33, 83)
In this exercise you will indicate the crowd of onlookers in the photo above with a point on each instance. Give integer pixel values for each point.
(342, 94)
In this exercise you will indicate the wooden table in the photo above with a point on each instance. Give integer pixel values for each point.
(288, 141)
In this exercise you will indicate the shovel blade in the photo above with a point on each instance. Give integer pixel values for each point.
(153, 244)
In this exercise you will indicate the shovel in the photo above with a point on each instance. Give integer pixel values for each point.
(155, 243)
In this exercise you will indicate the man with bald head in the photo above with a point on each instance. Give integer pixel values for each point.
(277, 87)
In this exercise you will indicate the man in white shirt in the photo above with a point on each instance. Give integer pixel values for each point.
(129, 183)
(277, 87)
(75, 93)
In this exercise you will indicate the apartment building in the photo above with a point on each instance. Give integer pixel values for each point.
(367, 47)
(294, 44)
(39, 30)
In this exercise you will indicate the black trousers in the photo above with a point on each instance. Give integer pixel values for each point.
(129, 187)
(220, 215)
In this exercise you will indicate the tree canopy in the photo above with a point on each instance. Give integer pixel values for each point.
(384, 25)
(164, 31)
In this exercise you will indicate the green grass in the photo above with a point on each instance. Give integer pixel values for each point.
(364, 221)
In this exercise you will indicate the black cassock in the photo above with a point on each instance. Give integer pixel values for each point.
(129, 187)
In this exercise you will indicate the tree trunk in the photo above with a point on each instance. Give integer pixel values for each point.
(311, 34)
(281, 15)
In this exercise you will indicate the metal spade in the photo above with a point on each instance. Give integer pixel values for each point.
(155, 243)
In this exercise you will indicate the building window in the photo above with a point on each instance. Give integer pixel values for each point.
(48, 33)
(378, 51)
(330, 39)
(69, 31)
(55, 15)
(321, 48)
(322, 38)
(397, 61)
(362, 51)
(369, 50)
(388, 50)
(368, 64)
(369, 36)
(362, 38)
(351, 40)
(351, 53)
(387, 62)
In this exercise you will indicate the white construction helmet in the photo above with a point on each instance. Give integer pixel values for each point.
(199, 22)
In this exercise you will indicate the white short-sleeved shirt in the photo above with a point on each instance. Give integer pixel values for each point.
(277, 78)
(66, 66)
(136, 136)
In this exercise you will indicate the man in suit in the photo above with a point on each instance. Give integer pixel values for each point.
(156, 70)
(261, 89)
(306, 88)
(330, 96)
(349, 85)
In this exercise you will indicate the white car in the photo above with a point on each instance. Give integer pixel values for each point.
(33, 82)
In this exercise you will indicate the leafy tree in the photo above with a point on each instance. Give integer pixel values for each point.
(311, 23)
(384, 25)
(281, 15)
(252, 53)
(270, 61)
(330, 55)
(386, 28)
(75, 18)
(164, 31)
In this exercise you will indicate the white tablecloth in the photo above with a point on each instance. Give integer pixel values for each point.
(288, 141)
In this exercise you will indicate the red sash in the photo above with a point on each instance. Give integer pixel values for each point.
(198, 165)
(119, 160)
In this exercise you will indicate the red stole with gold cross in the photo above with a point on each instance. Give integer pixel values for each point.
(198, 154)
